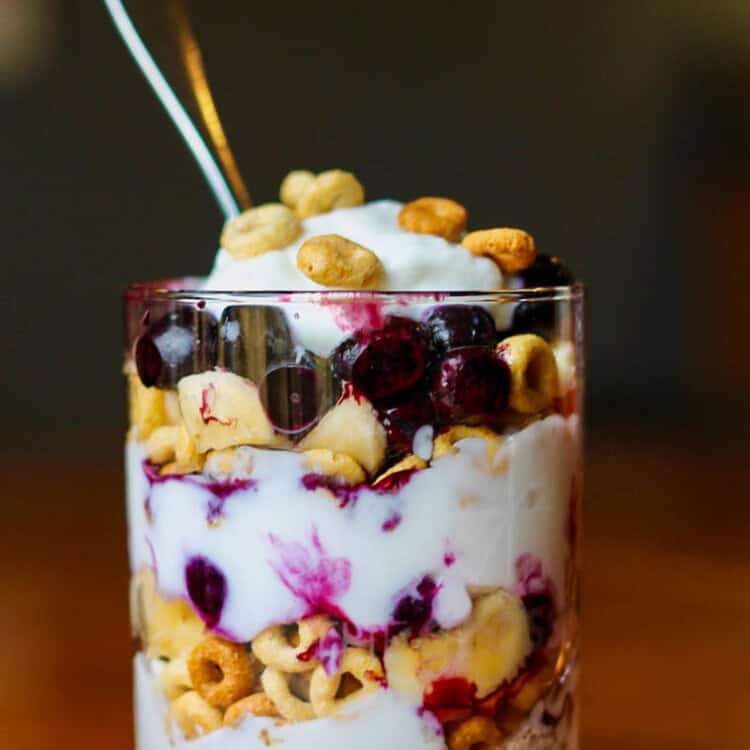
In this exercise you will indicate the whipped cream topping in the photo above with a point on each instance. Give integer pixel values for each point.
(412, 263)
(287, 550)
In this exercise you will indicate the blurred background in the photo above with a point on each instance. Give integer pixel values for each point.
(617, 132)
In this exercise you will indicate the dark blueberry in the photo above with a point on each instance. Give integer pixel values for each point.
(404, 416)
(451, 326)
(207, 589)
(540, 609)
(290, 396)
(385, 362)
(546, 270)
(255, 338)
(177, 344)
(413, 612)
(540, 317)
(470, 383)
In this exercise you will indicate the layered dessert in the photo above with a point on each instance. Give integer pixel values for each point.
(353, 486)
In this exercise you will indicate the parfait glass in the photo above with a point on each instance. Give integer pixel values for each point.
(354, 517)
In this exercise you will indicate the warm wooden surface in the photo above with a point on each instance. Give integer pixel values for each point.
(666, 599)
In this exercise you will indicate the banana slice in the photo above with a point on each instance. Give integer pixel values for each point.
(167, 628)
(350, 427)
(221, 410)
(489, 648)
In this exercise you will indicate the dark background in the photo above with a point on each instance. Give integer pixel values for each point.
(617, 132)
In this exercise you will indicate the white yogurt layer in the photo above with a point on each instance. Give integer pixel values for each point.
(376, 722)
(286, 550)
(413, 262)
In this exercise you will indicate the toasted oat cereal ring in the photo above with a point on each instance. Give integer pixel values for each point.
(407, 463)
(332, 260)
(533, 372)
(175, 678)
(338, 465)
(360, 664)
(439, 216)
(280, 646)
(257, 704)
(443, 444)
(259, 230)
(194, 716)
(294, 185)
(330, 190)
(511, 249)
(288, 705)
(474, 733)
(222, 672)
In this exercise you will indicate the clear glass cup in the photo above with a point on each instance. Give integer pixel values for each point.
(354, 517)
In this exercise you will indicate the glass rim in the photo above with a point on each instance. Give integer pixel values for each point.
(188, 289)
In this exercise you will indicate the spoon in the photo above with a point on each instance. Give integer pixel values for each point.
(230, 191)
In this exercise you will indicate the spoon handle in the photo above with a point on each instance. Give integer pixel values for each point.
(179, 116)
(193, 61)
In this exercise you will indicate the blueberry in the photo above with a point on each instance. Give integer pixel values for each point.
(207, 589)
(540, 317)
(290, 396)
(470, 383)
(179, 343)
(402, 418)
(546, 270)
(414, 611)
(385, 362)
(451, 326)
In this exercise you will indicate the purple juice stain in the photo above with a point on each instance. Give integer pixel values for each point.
(221, 492)
(345, 493)
(348, 493)
(330, 651)
(313, 576)
(207, 589)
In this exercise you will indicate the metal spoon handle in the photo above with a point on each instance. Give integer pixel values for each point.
(228, 201)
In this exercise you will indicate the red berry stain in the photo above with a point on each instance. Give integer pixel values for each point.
(394, 482)
(310, 652)
(448, 559)
(391, 523)
(208, 402)
(349, 391)
(450, 692)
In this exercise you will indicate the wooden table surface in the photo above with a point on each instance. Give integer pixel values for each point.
(666, 598)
